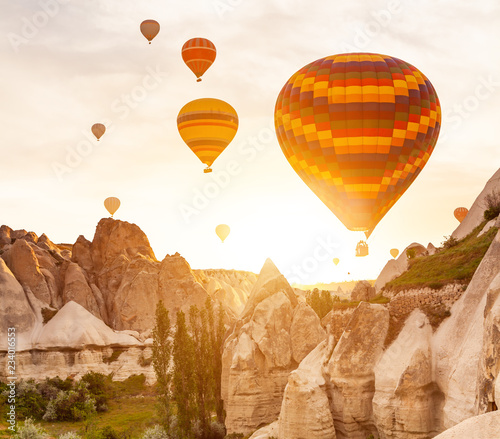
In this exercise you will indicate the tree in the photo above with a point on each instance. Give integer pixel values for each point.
(183, 377)
(162, 356)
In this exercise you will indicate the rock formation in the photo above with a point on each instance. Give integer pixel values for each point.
(476, 212)
(484, 426)
(363, 291)
(273, 335)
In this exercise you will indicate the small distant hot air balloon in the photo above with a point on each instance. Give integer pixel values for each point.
(112, 204)
(460, 213)
(207, 126)
(222, 231)
(336, 261)
(150, 28)
(358, 128)
(98, 129)
(394, 252)
(198, 54)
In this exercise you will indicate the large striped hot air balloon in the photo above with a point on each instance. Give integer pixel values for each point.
(207, 126)
(358, 128)
(460, 213)
(112, 204)
(198, 54)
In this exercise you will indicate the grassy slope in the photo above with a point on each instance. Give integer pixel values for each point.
(455, 264)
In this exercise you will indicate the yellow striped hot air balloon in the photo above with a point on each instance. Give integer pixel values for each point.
(112, 204)
(207, 126)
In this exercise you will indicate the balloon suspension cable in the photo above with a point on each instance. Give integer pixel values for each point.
(198, 80)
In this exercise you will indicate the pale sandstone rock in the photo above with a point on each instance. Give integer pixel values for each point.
(259, 354)
(305, 411)
(363, 291)
(77, 289)
(458, 343)
(15, 311)
(405, 395)
(351, 371)
(486, 426)
(5, 232)
(266, 432)
(24, 265)
(476, 212)
(490, 224)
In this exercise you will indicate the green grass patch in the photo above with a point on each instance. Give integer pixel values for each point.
(456, 264)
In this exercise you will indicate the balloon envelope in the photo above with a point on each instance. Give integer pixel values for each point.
(222, 231)
(336, 261)
(150, 28)
(112, 204)
(460, 213)
(98, 129)
(358, 128)
(394, 253)
(198, 54)
(207, 126)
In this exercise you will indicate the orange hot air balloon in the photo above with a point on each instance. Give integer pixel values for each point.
(336, 261)
(98, 129)
(112, 204)
(358, 128)
(460, 213)
(207, 126)
(150, 28)
(394, 252)
(222, 231)
(198, 54)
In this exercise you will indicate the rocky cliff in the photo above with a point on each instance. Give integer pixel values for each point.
(273, 335)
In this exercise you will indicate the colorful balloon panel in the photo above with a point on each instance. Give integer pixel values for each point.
(358, 128)
(460, 213)
(198, 54)
(150, 28)
(112, 204)
(207, 126)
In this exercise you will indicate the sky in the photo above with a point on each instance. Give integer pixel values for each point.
(69, 64)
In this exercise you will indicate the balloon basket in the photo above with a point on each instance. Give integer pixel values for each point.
(207, 170)
(198, 80)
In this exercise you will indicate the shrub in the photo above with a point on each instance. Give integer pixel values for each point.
(30, 431)
(411, 253)
(492, 205)
(69, 435)
(449, 242)
(99, 388)
(155, 432)
(73, 405)
(47, 314)
(30, 403)
(113, 357)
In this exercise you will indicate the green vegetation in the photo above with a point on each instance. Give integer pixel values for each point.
(113, 357)
(321, 303)
(492, 205)
(344, 304)
(455, 262)
(188, 371)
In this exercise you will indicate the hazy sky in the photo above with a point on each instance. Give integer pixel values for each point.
(69, 64)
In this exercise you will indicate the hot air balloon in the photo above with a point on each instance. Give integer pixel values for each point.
(112, 204)
(222, 231)
(98, 129)
(460, 213)
(207, 126)
(336, 261)
(358, 128)
(198, 54)
(150, 28)
(394, 252)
